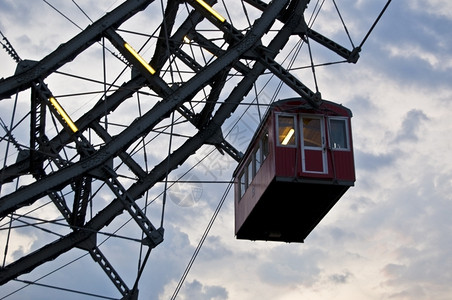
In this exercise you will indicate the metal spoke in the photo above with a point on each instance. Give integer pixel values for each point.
(177, 82)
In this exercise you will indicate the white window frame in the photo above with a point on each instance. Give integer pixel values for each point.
(347, 133)
(321, 118)
(242, 183)
(323, 136)
(294, 116)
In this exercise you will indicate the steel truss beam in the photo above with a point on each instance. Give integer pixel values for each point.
(68, 51)
(351, 56)
(136, 129)
(82, 188)
(241, 46)
(109, 104)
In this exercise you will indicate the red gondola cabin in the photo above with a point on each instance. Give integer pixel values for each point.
(298, 165)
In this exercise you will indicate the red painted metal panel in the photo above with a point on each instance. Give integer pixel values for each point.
(268, 209)
(286, 161)
(244, 205)
(343, 165)
(313, 161)
(341, 162)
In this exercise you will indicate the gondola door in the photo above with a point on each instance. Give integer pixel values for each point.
(313, 144)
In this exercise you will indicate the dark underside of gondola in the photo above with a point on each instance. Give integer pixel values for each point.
(289, 210)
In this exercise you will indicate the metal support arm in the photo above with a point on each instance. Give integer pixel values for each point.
(66, 52)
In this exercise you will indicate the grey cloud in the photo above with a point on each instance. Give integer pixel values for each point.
(340, 235)
(196, 290)
(373, 162)
(214, 248)
(414, 292)
(405, 28)
(414, 119)
(167, 262)
(361, 105)
(418, 210)
(341, 278)
(393, 270)
(284, 266)
(361, 203)
(418, 213)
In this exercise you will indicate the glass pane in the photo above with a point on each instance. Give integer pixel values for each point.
(258, 158)
(311, 132)
(250, 172)
(242, 184)
(264, 146)
(338, 131)
(286, 128)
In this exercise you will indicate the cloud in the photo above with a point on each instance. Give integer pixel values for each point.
(167, 263)
(214, 248)
(408, 44)
(410, 126)
(285, 267)
(431, 7)
(340, 278)
(388, 237)
(373, 162)
(408, 222)
(196, 290)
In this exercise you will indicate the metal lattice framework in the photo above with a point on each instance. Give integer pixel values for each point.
(194, 69)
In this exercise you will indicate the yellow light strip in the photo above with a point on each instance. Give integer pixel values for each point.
(211, 10)
(187, 39)
(139, 58)
(288, 136)
(63, 114)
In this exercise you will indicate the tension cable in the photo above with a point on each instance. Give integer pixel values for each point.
(201, 242)
(374, 24)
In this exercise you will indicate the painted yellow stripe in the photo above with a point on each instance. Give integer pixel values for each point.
(63, 114)
(139, 58)
(211, 10)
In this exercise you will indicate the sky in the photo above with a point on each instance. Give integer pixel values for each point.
(389, 237)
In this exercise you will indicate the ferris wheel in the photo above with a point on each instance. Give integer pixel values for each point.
(87, 148)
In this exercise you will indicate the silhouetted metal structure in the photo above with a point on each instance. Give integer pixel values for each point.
(199, 69)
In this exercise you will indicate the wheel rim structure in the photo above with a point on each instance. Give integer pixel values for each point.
(182, 79)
